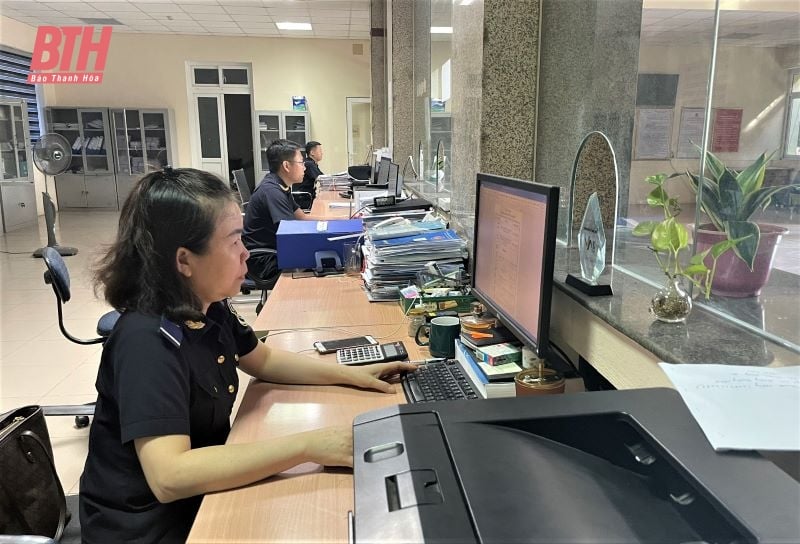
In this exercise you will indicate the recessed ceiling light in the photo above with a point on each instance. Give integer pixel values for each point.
(441, 30)
(293, 26)
(466, 2)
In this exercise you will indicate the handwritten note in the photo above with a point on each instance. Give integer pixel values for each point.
(742, 407)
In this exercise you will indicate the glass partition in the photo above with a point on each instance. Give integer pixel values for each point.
(750, 109)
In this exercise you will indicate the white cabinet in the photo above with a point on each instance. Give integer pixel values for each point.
(89, 182)
(272, 125)
(141, 145)
(17, 195)
(111, 150)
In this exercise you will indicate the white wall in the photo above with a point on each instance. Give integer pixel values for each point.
(148, 70)
(751, 78)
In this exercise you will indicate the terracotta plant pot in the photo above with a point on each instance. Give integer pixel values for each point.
(733, 278)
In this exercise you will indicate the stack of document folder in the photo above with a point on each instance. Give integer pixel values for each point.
(393, 263)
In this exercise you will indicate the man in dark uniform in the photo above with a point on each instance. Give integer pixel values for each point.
(271, 203)
(313, 157)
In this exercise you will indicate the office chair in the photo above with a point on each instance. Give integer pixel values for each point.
(242, 187)
(303, 199)
(253, 283)
(57, 276)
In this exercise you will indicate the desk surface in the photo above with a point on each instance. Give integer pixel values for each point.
(332, 301)
(307, 503)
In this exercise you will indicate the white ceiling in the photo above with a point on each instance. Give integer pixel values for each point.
(745, 28)
(349, 19)
(330, 19)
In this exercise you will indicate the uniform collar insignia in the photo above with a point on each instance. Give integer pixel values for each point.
(194, 325)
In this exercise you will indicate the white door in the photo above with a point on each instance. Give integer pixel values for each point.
(211, 128)
(359, 129)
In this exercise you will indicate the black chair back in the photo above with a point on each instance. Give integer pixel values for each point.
(242, 186)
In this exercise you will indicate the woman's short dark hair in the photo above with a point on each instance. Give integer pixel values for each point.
(311, 145)
(166, 210)
(279, 151)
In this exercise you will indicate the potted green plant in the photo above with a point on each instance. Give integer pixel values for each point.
(668, 240)
(730, 199)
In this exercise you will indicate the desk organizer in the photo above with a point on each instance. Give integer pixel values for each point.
(460, 303)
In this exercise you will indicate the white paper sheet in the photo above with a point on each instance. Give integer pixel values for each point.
(742, 407)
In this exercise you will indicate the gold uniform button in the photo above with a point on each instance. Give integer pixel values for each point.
(231, 389)
(221, 359)
(236, 357)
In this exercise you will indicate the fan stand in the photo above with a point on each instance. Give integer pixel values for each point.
(50, 220)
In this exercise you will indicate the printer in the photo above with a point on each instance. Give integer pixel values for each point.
(611, 466)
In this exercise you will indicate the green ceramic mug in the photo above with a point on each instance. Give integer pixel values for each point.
(442, 333)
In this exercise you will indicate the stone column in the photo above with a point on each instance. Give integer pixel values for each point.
(378, 72)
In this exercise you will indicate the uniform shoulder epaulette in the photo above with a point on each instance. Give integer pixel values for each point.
(171, 331)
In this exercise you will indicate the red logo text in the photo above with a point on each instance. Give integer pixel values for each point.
(54, 59)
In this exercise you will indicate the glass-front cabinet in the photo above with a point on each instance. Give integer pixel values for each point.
(16, 177)
(89, 182)
(111, 149)
(273, 125)
(141, 145)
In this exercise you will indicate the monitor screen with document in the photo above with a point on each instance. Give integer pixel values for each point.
(514, 253)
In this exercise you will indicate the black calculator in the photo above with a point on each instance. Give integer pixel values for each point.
(362, 355)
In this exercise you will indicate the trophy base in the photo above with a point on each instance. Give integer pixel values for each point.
(591, 289)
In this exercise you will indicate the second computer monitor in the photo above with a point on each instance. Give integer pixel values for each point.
(395, 188)
(382, 177)
(514, 252)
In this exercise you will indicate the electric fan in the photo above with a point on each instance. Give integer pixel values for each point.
(52, 155)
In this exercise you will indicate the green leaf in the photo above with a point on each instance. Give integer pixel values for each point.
(695, 269)
(657, 197)
(698, 258)
(721, 247)
(645, 228)
(751, 178)
(656, 179)
(731, 197)
(749, 234)
(759, 199)
(710, 203)
(660, 238)
(715, 167)
(679, 236)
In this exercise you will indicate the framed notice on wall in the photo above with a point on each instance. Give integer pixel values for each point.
(726, 127)
(690, 132)
(653, 134)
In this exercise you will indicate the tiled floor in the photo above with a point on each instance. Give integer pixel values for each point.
(37, 364)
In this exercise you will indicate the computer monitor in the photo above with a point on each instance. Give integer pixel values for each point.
(382, 176)
(394, 183)
(514, 252)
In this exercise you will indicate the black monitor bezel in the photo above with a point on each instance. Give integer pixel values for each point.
(551, 192)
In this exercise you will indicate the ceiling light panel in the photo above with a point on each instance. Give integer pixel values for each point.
(286, 25)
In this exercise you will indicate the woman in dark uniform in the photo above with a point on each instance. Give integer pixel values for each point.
(167, 380)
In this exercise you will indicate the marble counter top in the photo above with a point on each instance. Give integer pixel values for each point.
(703, 338)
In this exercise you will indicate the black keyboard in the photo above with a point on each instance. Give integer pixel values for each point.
(437, 380)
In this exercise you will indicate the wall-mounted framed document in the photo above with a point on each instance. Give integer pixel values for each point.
(653, 134)
(690, 132)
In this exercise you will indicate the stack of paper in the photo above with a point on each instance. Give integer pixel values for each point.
(742, 407)
(336, 182)
(393, 263)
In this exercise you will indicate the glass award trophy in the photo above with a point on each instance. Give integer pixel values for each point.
(592, 252)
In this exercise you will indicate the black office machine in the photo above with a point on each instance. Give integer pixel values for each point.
(613, 466)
